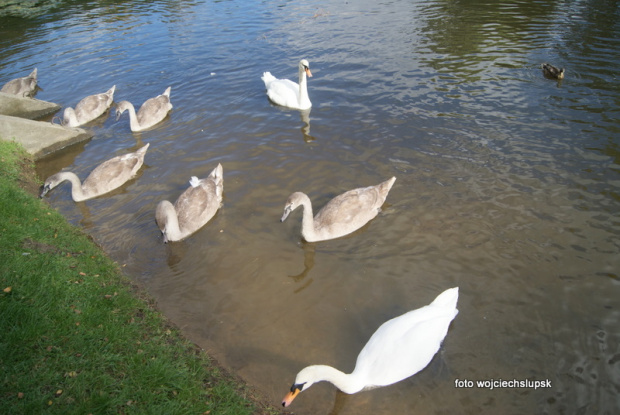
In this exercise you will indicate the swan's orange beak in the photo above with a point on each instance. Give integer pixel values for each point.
(290, 396)
(308, 73)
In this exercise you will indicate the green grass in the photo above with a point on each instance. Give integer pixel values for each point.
(76, 336)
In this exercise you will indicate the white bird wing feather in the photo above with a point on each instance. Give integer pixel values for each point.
(403, 346)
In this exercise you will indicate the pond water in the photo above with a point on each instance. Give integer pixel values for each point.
(508, 184)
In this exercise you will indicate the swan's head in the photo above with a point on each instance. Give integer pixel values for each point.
(49, 184)
(164, 208)
(292, 203)
(66, 117)
(305, 66)
(303, 381)
(121, 107)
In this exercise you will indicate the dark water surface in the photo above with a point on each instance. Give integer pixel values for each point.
(508, 184)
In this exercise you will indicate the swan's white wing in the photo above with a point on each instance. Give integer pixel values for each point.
(403, 346)
(284, 92)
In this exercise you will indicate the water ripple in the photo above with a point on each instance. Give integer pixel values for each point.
(507, 182)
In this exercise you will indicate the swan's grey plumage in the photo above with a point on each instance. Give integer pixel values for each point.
(340, 216)
(193, 209)
(287, 93)
(106, 177)
(23, 87)
(153, 111)
(400, 348)
(89, 108)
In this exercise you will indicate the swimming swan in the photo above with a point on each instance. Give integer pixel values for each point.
(89, 108)
(106, 177)
(150, 113)
(341, 215)
(23, 87)
(287, 93)
(193, 209)
(552, 72)
(400, 348)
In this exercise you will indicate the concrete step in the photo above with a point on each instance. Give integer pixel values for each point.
(39, 138)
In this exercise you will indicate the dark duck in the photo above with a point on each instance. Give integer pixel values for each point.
(552, 72)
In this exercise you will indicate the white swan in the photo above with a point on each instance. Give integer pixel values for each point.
(341, 215)
(23, 87)
(89, 108)
(193, 209)
(400, 348)
(150, 113)
(106, 177)
(288, 93)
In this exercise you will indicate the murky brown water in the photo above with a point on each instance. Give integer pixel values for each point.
(507, 185)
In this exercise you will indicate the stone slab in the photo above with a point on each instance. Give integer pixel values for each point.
(40, 138)
(26, 107)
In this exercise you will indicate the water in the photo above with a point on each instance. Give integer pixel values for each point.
(508, 185)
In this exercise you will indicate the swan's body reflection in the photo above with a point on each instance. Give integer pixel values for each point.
(305, 130)
(308, 265)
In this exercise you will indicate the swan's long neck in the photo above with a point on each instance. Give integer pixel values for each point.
(304, 99)
(346, 383)
(307, 221)
(76, 186)
(133, 118)
(166, 216)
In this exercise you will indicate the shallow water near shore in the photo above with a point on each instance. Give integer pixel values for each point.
(508, 185)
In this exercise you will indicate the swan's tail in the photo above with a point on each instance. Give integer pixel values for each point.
(386, 186)
(267, 78)
(194, 181)
(217, 173)
(142, 151)
(447, 299)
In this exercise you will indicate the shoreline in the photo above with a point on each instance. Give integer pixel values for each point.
(212, 384)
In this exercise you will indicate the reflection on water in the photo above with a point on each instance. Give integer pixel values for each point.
(507, 185)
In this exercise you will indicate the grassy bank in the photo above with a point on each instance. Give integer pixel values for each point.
(76, 336)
